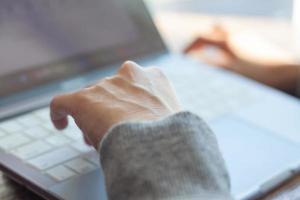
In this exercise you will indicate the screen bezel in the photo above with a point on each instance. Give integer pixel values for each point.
(149, 42)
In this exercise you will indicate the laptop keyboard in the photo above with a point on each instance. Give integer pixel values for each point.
(212, 95)
(63, 154)
(59, 154)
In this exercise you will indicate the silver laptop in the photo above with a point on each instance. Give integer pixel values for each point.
(52, 47)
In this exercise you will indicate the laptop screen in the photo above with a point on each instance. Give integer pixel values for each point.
(48, 41)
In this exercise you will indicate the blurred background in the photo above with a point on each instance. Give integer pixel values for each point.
(270, 8)
(257, 39)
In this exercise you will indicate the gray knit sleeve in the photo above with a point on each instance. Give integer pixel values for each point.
(172, 158)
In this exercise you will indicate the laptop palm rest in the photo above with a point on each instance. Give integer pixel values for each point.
(253, 155)
(246, 149)
(281, 115)
(89, 186)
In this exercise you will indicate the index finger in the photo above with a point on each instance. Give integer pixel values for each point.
(60, 108)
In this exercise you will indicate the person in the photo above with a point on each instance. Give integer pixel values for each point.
(149, 147)
(251, 54)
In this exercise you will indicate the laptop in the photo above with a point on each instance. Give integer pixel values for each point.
(52, 47)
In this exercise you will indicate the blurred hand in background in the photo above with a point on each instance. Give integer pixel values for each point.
(248, 54)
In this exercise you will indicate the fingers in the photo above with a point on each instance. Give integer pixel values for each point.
(122, 97)
(60, 108)
(64, 105)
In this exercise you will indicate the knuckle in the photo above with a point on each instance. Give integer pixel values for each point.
(107, 80)
(81, 96)
(117, 79)
(127, 67)
(98, 89)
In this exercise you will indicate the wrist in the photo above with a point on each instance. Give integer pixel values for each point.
(289, 79)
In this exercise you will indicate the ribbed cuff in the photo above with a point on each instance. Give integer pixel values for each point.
(177, 156)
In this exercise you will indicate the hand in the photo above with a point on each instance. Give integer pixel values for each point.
(133, 94)
(249, 54)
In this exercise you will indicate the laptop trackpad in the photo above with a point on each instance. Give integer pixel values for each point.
(252, 154)
(279, 114)
(89, 186)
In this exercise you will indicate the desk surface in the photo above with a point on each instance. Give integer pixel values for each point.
(10, 190)
(176, 40)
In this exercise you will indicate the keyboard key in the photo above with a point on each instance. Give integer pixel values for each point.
(11, 126)
(53, 158)
(73, 133)
(71, 122)
(29, 120)
(13, 141)
(81, 166)
(93, 158)
(49, 126)
(37, 132)
(32, 150)
(43, 114)
(82, 147)
(57, 140)
(2, 133)
(60, 173)
(70, 132)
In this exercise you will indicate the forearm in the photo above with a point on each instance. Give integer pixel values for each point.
(298, 83)
(173, 158)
